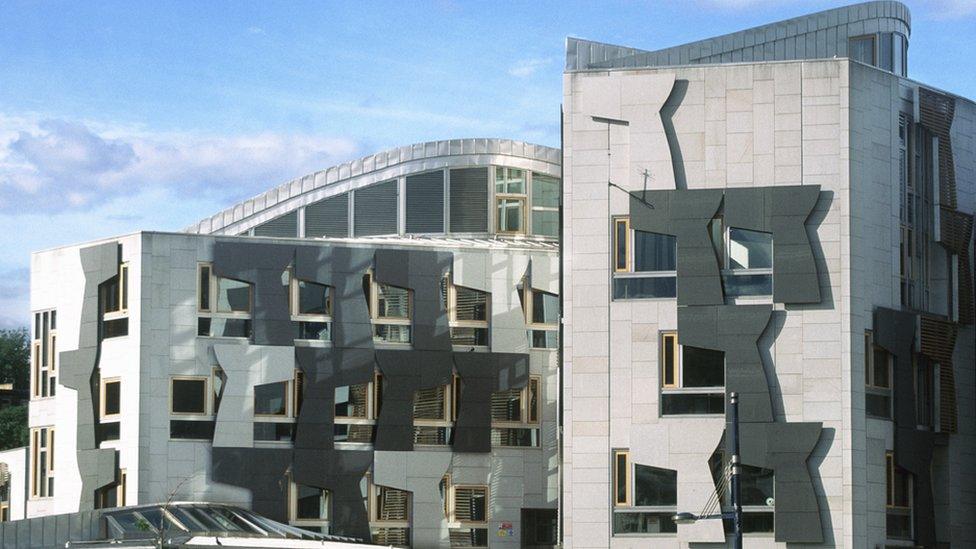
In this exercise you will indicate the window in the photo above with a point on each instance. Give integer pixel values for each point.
(645, 498)
(878, 367)
(541, 316)
(917, 150)
(44, 355)
(5, 500)
(113, 297)
(42, 462)
(191, 408)
(109, 409)
(467, 313)
(389, 514)
(390, 309)
(434, 413)
(893, 52)
(861, 48)
(308, 507)
(899, 504)
(540, 528)
(644, 264)
(467, 515)
(356, 409)
(748, 265)
(692, 378)
(756, 488)
(112, 495)
(545, 205)
(276, 408)
(311, 308)
(924, 393)
(515, 415)
(224, 305)
(510, 198)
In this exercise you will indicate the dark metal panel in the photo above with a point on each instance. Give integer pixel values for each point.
(329, 217)
(481, 375)
(375, 209)
(340, 472)
(261, 264)
(342, 269)
(404, 373)
(425, 202)
(263, 470)
(422, 272)
(469, 200)
(325, 369)
(284, 226)
(795, 277)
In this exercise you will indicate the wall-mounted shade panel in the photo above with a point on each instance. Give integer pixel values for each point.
(376, 209)
(425, 202)
(284, 226)
(329, 217)
(469, 200)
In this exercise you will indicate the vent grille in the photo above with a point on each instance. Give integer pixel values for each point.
(425, 203)
(376, 210)
(469, 200)
(329, 217)
(284, 226)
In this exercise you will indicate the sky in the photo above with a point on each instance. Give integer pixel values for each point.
(125, 116)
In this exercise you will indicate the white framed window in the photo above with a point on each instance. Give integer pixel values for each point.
(223, 305)
(468, 508)
(42, 462)
(309, 507)
(515, 415)
(44, 355)
(510, 200)
(276, 409)
(541, 316)
(899, 506)
(389, 514)
(390, 310)
(310, 304)
(356, 409)
(878, 369)
(435, 412)
(692, 378)
(644, 264)
(468, 313)
(645, 498)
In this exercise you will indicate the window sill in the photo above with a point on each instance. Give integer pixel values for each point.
(693, 416)
(226, 338)
(312, 343)
(352, 445)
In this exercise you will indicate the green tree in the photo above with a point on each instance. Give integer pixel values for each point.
(13, 427)
(15, 358)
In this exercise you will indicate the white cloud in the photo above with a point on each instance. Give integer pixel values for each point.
(945, 10)
(525, 68)
(55, 165)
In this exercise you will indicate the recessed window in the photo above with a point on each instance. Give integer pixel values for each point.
(356, 410)
(510, 199)
(390, 309)
(276, 408)
(645, 497)
(42, 462)
(645, 263)
(311, 308)
(224, 305)
(44, 355)
(434, 414)
(877, 378)
(308, 507)
(110, 408)
(861, 48)
(541, 317)
(515, 415)
(113, 296)
(271, 399)
(389, 514)
(188, 395)
(756, 487)
(467, 313)
(112, 495)
(746, 257)
(545, 205)
(692, 378)
(899, 506)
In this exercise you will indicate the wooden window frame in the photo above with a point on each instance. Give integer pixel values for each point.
(373, 395)
(294, 289)
(38, 486)
(44, 356)
(455, 521)
(213, 291)
(528, 293)
(451, 306)
(628, 491)
(293, 519)
(207, 396)
(285, 417)
(628, 242)
(377, 320)
(373, 492)
(669, 339)
(123, 311)
(522, 198)
(103, 416)
(525, 407)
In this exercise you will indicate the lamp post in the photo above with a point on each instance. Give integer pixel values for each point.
(736, 514)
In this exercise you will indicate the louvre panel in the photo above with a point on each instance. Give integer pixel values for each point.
(469, 200)
(425, 203)
(470, 504)
(429, 403)
(471, 304)
(376, 209)
(936, 112)
(957, 228)
(329, 217)
(284, 226)
(391, 504)
(506, 405)
(938, 342)
(392, 536)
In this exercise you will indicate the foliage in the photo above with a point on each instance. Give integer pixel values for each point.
(15, 358)
(13, 427)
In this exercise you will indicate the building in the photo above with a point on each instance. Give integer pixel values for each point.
(788, 217)
(369, 350)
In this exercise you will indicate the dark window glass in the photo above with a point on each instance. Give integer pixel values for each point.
(654, 252)
(224, 327)
(233, 296)
(620, 238)
(753, 523)
(110, 296)
(469, 336)
(514, 437)
(622, 477)
(750, 249)
(877, 405)
(311, 503)
(115, 328)
(756, 485)
(112, 397)
(189, 396)
(204, 288)
(740, 285)
(540, 527)
(465, 537)
(702, 367)
(654, 486)
(313, 299)
(271, 398)
(471, 304)
(899, 525)
(644, 523)
(545, 307)
(881, 377)
(193, 430)
(886, 59)
(645, 288)
(544, 339)
(862, 49)
(107, 431)
(704, 403)
(279, 432)
(351, 400)
(352, 433)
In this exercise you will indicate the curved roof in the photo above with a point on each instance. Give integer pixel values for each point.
(375, 168)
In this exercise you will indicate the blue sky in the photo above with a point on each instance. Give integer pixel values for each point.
(120, 116)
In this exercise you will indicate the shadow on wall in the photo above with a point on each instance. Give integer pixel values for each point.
(678, 93)
(814, 462)
(812, 225)
(767, 339)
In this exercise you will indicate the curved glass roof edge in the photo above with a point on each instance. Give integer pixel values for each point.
(381, 167)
